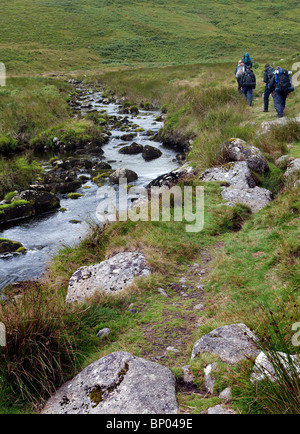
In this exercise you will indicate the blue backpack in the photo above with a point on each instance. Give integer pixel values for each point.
(247, 59)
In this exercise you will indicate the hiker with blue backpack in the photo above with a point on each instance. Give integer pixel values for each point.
(247, 60)
(248, 83)
(281, 87)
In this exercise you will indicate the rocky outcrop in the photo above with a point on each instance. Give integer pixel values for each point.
(237, 174)
(256, 198)
(110, 276)
(239, 184)
(151, 153)
(117, 384)
(232, 344)
(123, 174)
(239, 150)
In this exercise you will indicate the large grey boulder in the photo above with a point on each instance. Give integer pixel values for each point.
(256, 198)
(124, 174)
(117, 384)
(239, 150)
(234, 174)
(293, 169)
(110, 276)
(232, 344)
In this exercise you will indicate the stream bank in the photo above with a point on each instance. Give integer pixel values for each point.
(44, 235)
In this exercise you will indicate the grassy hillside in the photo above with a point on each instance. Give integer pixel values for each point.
(43, 35)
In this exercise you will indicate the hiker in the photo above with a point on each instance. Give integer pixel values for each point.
(247, 60)
(248, 83)
(240, 69)
(281, 86)
(268, 75)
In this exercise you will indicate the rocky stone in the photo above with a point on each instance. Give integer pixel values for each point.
(42, 201)
(199, 307)
(167, 180)
(132, 149)
(172, 350)
(209, 381)
(110, 276)
(8, 246)
(187, 375)
(128, 137)
(256, 198)
(220, 409)
(265, 369)
(232, 343)
(239, 150)
(162, 292)
(124, 174)
(293, 169)
(268, 125)
(226, 394)
(233, 174)
(151, 153)
(283, 161)
(103, 333)
(16, 212)
(117, 384)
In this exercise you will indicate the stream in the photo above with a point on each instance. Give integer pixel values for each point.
(45, 235)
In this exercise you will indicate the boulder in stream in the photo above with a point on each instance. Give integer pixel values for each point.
(124, 174)
(151, 153)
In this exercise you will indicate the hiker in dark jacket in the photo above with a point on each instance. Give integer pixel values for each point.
(240, 69)
(268, 75)
(280, 86)
(248, 84)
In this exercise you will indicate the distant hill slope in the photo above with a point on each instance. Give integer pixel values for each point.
(41, 35)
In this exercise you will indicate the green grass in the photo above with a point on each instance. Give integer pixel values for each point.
(84, 34)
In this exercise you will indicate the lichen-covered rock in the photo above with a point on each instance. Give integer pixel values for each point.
(239, 150)
(117, 384)
(237, 174)
(256, 198)
(293, 169)
(151, 153)
(123, 174)
(232, 344)
(110, 276)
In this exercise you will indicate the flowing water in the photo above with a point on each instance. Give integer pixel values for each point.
(45, 235)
